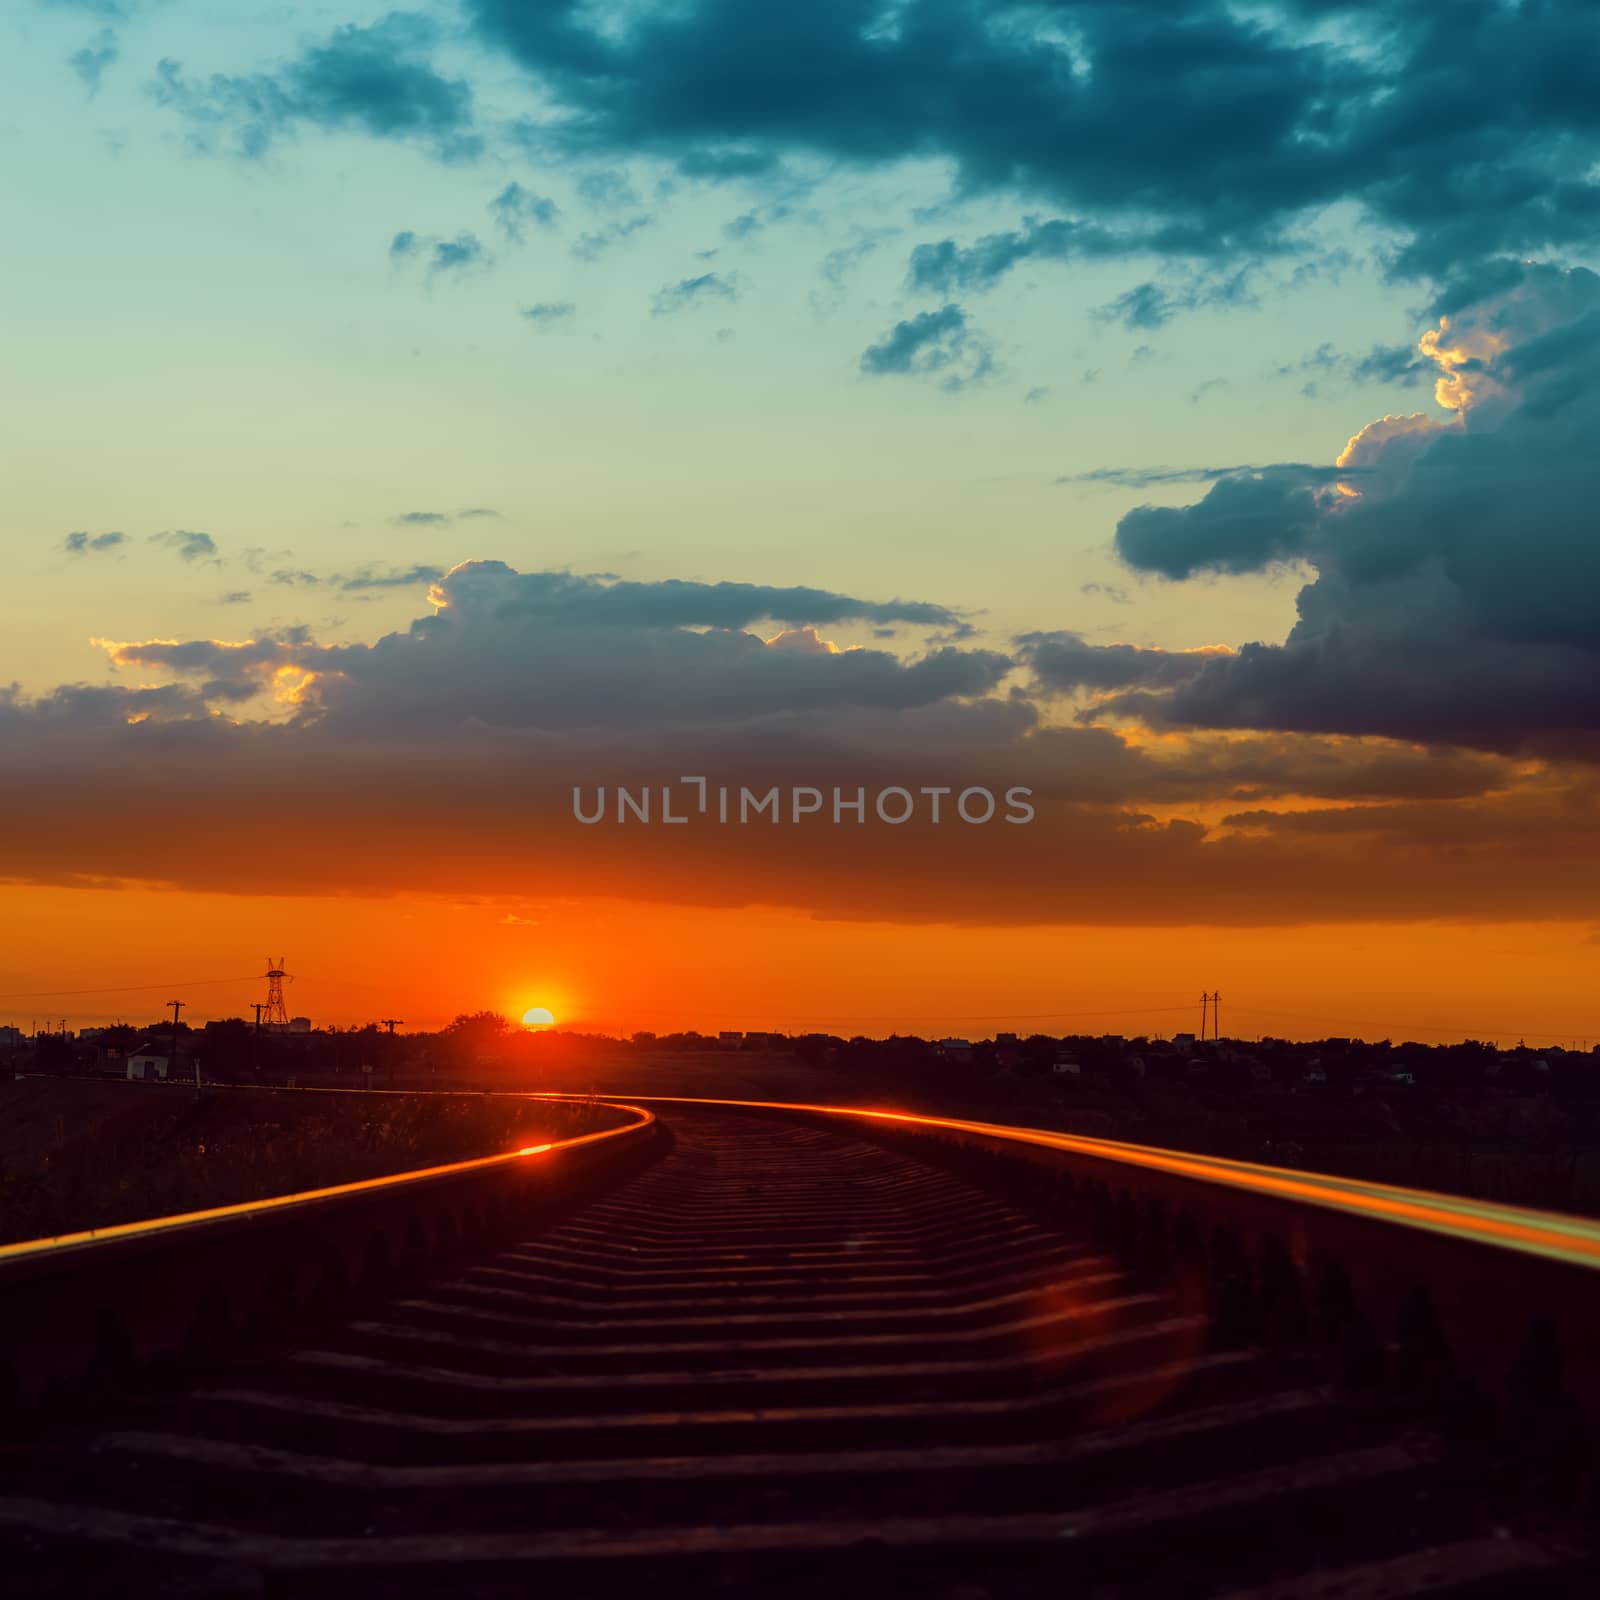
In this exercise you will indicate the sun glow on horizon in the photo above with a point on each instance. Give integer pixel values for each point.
(538, 1017)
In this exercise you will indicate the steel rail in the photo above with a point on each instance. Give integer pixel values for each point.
(103, 1303)
(281, 1205)
(1506, 1297)
(1552, 1234)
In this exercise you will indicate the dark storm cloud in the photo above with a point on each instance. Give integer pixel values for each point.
(1390, 363)
(1146, 477)
(550, 649)
(692, 291)
(931, 342)
(491, 588)
(1398, 364)
(83, 543)
(1205, 132)
(1468, 128)
(1143, 306)
(524, 686)
(1246, 522)
(1453, 600)
(227, 673)
(945, 267)
(1475, 281)
(376, 80)
(368, 577)
(443, 255)
(515, 207)
(722, 166)
(1063, 663)
(1153, 305)
(492, 803)
(392, 578)
(91, 707)
(981, 84)
(462, 251)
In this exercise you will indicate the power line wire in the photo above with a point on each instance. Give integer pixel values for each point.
(125, 988)
(1466, 1032)
(969, 1016)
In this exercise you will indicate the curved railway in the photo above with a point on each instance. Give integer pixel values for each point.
(785, 1358)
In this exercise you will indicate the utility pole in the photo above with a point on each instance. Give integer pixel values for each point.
(391, 1023)
(260, 1006)
(1205, 1000)
(172, 1070)
(1216, 1015)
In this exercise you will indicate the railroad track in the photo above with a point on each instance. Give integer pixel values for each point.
(780, 1360)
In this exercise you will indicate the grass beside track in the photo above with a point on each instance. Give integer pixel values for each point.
(77, 1155)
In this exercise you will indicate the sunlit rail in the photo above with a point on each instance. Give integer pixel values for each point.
(277, 1205)
(1555, 1235)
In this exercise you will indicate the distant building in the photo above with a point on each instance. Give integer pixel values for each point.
(732, 1038)
(1183, 1041)
(955, 1049)
(148, 1061)
(299, 1024)
(1003, 1039)
(1067, 1066)
(10, 1036)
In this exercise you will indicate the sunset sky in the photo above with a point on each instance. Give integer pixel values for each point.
(1187, 413)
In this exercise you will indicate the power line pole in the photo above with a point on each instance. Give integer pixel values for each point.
(1216, 1015)
(172, 1070)
(1205, 1000)
(391, 1023)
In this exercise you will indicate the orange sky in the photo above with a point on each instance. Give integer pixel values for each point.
(619, 966)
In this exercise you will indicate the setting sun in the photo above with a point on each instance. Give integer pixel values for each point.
(537, 1017)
